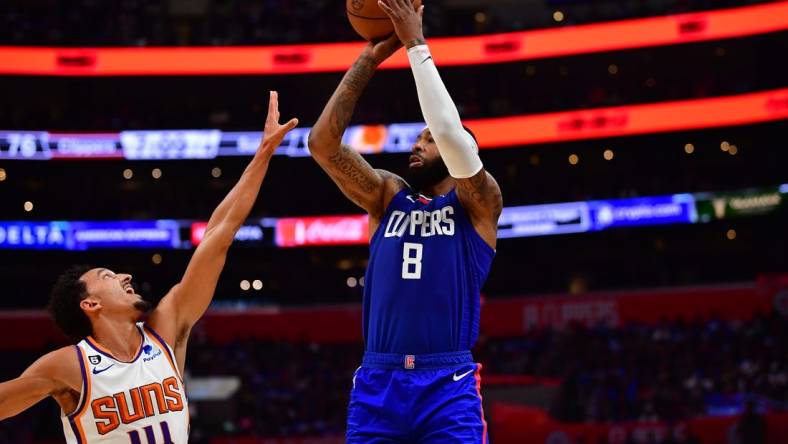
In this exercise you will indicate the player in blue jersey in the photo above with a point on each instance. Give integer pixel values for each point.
(431, 247)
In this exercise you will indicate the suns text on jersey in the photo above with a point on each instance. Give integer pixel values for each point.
(421, 223)
(146, 401)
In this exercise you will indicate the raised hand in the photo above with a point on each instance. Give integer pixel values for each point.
(382, 50)
(274, 132)
(407, 20)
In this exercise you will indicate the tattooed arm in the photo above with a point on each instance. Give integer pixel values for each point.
(368, 188)
(481, 197)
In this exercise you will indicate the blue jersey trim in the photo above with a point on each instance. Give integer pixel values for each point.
(83, 398)
(82, 401)
(167, 350)
(75, 431)
(150, 330)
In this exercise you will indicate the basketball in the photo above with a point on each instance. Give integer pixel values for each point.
(369, 20)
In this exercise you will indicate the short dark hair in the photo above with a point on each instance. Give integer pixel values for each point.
(64, 300)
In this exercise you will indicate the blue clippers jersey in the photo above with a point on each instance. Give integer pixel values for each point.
(427, 265)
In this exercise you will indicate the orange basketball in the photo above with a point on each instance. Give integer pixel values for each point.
(369, 20)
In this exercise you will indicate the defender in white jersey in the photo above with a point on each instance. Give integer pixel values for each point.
(153, 408)
(121, 383)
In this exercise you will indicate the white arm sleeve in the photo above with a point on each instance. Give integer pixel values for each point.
(457, 147)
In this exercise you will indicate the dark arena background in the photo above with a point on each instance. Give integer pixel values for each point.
(640, 289)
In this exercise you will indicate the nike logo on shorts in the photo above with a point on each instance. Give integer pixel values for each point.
(97, 371)
(458, 377)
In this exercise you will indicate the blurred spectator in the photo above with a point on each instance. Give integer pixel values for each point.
(672, 371)
(752, 427)
(287, 389)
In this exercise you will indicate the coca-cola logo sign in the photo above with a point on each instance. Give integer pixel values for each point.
(314, 231)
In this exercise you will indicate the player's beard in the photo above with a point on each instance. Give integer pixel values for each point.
(427, 175)
(143, 306)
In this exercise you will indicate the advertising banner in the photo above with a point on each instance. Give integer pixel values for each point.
(318, 231)
(451, 51)
(34, 235)
(518, 316)
(128, 234)
(247, 234)
(675, 209)
(716, 206)
(543, 220)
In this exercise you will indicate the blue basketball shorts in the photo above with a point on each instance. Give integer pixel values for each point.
(425, 399)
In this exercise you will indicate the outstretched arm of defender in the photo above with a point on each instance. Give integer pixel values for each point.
(54, 374)
(477, 189)
(362, 184)
(188, 300)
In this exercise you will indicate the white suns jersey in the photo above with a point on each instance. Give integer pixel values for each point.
(137, 402)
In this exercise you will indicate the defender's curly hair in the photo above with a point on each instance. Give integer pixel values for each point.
(64, 300)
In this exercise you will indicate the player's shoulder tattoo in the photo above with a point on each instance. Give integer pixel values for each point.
(388, 176)
(482, 191)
